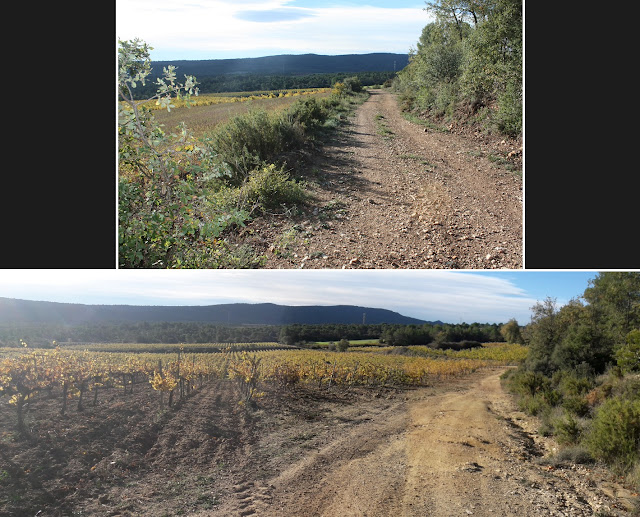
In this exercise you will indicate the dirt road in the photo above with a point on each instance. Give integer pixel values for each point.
(463, 450)
(392, 194)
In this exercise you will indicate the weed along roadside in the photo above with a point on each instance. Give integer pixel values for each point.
(184, 201)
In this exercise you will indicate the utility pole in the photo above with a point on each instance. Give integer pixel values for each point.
(364, 317)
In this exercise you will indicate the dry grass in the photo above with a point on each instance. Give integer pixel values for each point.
(201, 119)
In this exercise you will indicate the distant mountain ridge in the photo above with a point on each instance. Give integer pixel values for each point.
(287, 64)
(14, 311)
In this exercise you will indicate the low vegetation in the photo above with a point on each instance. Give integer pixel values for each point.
(180, 196)
(582, 375)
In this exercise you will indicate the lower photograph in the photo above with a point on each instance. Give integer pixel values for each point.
(319, 393)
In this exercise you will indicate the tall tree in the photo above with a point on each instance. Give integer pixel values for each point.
(511, 332)
(617, 294)
(541, 335)
(459, 11)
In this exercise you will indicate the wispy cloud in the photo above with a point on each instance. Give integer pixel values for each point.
(429, 295)
(274, 15)
(223, 28)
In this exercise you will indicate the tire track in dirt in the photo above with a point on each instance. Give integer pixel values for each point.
(453, 450)
(339, 478)
(252, 498)
(392, 195)
(442, 455)
(363, 469)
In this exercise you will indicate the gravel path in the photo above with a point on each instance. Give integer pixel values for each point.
(392, 194)
(457, 449)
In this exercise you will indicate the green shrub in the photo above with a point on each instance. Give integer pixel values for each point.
(271, 188)
(615, 433)
(534, 405)
(308, 113)
(332, 123)
(571, 383)
(552, 397)
(153, 233)
(572, 387)
(248, 140)
(575, 454)
(508, 118)
(628, 355)
(343, 345)
(353, 84)
(576, 405)
(567, 430)
(627, 387)
(266, 188)
(529, 383)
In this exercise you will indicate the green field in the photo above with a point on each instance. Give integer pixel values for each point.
(352, 342)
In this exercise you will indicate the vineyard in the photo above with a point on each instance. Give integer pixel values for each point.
(73, 374)
(155, 348)
(223, 98)
(75, 423)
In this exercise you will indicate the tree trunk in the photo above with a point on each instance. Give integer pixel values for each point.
(82, 388)
(65, 390)
(20, 410)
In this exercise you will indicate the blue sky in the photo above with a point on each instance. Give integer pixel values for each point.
(451, 296)
(217, 29)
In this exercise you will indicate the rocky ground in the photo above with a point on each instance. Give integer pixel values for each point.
(390, 193)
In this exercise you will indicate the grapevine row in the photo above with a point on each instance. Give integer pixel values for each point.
(76, 374)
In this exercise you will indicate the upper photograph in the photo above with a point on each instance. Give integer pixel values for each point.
(299, 134)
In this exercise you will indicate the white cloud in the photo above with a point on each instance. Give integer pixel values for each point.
(424, 294)
(216, 28)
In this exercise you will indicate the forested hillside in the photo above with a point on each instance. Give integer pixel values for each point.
(289, 64)
(467, 65)
(279, 72)
(258, 82)
(28, 311)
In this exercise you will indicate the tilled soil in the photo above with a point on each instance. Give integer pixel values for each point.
(458, 447)
(390, 193)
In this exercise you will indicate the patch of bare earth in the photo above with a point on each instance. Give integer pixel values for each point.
(457, 447)
(391, 194)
